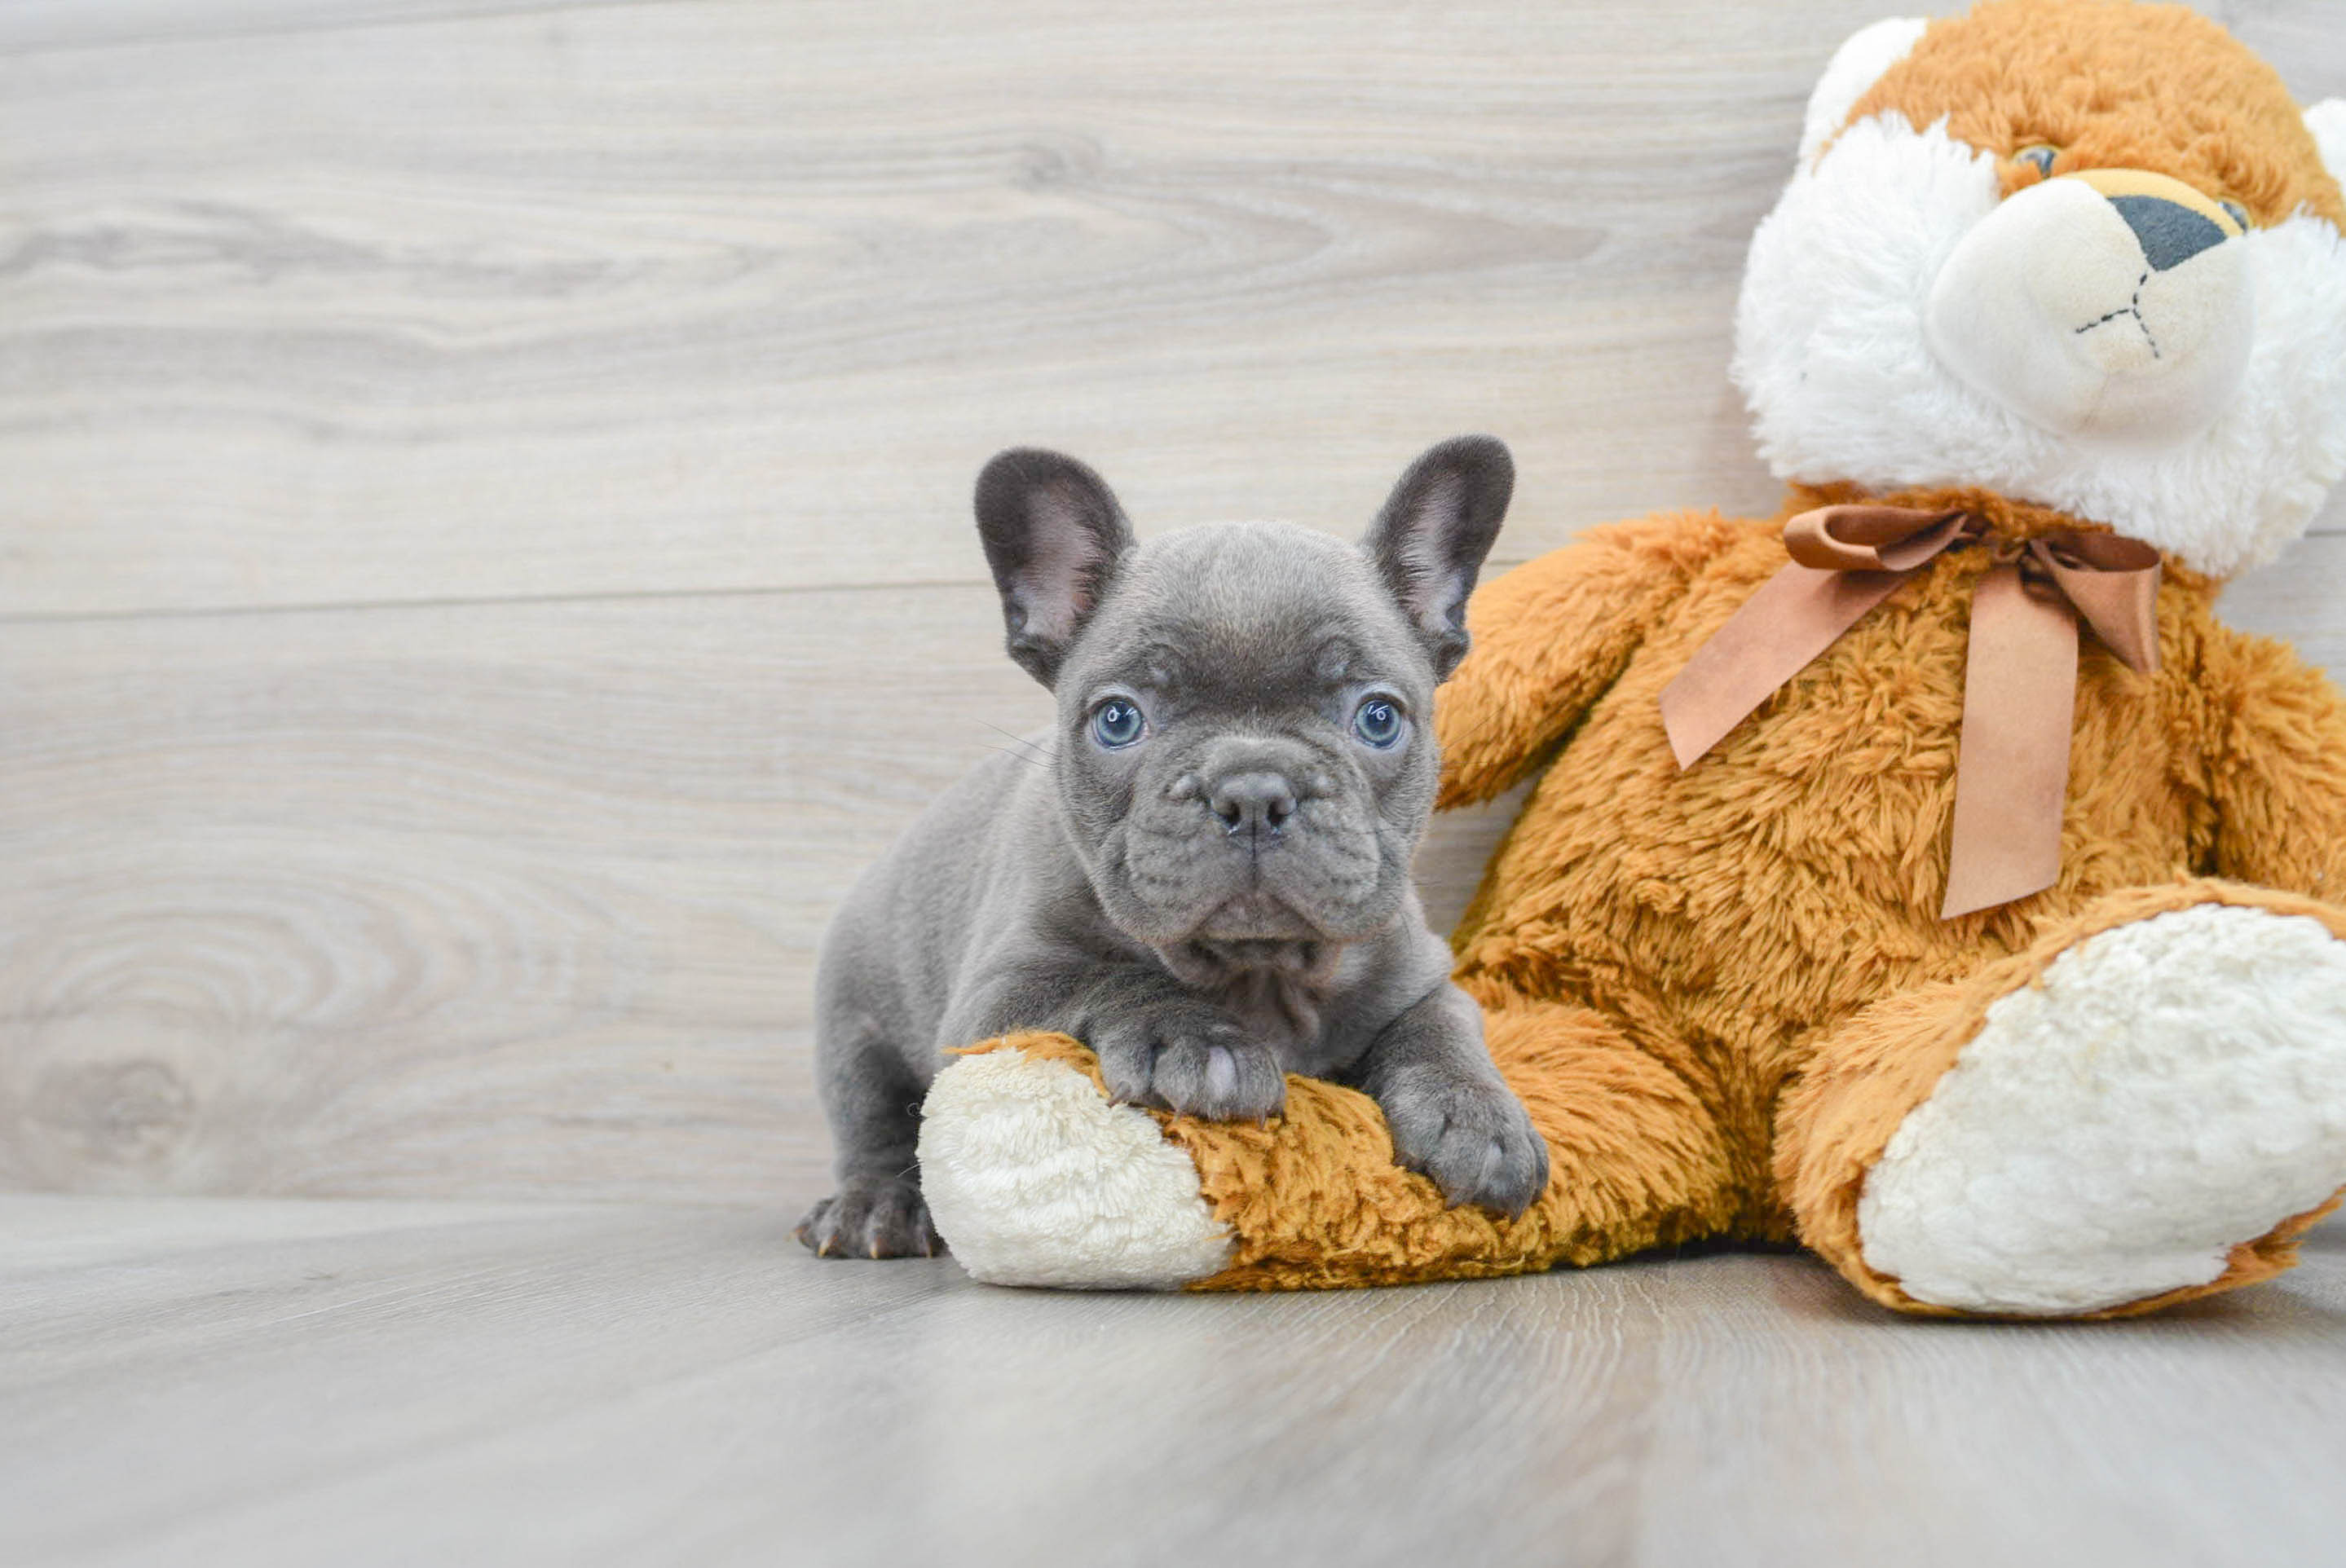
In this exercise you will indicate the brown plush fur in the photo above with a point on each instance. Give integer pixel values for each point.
(1720, 989)
(2112, 85)
(1737, 918)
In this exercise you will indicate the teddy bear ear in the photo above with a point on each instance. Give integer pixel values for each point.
(1856, 66)
(2327, 121)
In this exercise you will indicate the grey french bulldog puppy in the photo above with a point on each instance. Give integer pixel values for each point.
(1202, 869)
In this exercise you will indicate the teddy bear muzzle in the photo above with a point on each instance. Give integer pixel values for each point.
(2110, 303)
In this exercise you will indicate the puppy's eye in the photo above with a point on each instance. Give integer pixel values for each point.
(1117, 723)
(2038, 157)
(1377, 722)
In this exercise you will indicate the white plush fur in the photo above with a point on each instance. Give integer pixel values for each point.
(1856, 66)
(2171, 1089)
(1832, 359)
(1033, 1179)
(2327, 121)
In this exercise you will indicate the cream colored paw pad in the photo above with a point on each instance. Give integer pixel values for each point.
(2171, 1089)
(1033, 1179)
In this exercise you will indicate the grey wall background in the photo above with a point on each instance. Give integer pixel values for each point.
(484, 550)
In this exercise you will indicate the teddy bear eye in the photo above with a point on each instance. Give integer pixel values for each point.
(2039, 157)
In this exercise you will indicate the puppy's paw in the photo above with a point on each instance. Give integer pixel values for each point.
(1191, 1061)
(1471, 1135)
(871, 1217)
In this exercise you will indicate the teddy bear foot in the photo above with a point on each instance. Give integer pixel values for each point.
(2169, 1095)
(1035, 1178)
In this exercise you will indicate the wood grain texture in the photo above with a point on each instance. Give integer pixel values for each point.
(458, 900)
(34, 26)
(690, 295)
(673, 296)
(619, 371)
(256, 1384)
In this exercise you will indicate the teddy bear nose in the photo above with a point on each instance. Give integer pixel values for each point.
(2170, 232)
(1257, 804)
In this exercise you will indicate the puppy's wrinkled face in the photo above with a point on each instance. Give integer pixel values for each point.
(1244, 747)
(1245, 751)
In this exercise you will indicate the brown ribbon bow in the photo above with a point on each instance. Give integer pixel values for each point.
(2020, 675)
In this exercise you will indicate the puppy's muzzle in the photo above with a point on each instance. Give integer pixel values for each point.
(1254, 804)
(1253, 786)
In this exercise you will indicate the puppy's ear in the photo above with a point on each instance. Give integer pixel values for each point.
(1430, 540)
(1054, 534)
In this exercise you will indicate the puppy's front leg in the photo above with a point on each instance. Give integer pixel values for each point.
(1452, 1117)
(1158, 1042)
(1162, 1047)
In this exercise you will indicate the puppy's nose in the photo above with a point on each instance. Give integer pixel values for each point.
(1253, 803)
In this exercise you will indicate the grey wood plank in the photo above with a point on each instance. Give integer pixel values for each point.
(2302, 38)
(492, 901)
(721, 295)
(677, 296)
(630, 1385)
(34, 26)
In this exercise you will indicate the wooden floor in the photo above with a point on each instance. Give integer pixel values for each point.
(485, 548)
(248, 1383)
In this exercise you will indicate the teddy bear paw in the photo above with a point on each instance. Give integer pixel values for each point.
(2167, 1091)
(1034, 1179)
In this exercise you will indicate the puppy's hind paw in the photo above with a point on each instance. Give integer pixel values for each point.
(871, 1217)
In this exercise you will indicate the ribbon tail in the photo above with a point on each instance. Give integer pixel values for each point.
(2120, 604)
(1796, 615)
(2012, 770)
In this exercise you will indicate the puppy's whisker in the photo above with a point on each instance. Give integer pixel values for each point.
(1026, 741)
(1023, 757)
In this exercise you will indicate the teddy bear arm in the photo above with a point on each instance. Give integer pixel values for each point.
(2279, 778)
(1551, 637)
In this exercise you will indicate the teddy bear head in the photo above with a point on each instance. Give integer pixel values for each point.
(2083, 253)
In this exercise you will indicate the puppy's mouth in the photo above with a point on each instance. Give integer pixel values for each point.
(1255, 916)
(1207, 960)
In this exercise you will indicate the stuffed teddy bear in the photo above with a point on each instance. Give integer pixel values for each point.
(1923, 875)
